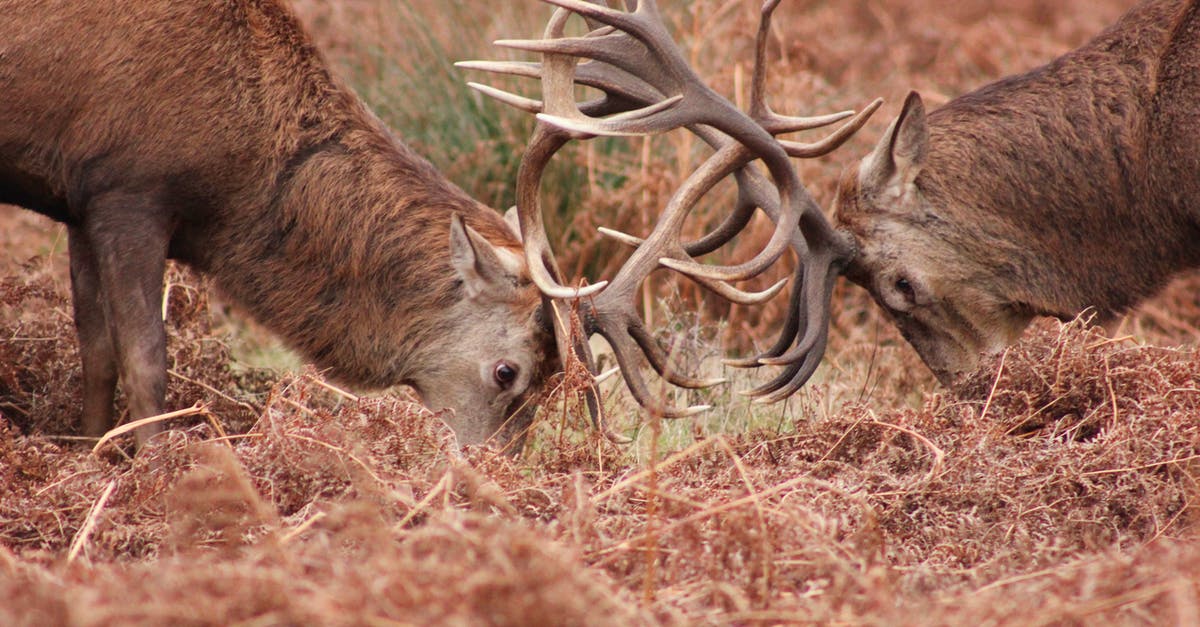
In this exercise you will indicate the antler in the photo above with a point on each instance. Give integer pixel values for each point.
(649, 88)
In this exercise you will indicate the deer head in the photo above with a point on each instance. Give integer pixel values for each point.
(495, 376)
(943, 281)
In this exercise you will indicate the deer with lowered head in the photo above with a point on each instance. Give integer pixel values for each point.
(1074, 187)
(214, 133)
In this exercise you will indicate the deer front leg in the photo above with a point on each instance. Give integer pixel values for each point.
(96, 349)
(128, 236)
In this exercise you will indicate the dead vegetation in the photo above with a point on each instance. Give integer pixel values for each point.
(1053, 487)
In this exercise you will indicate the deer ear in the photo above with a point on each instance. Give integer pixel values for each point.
(513, 220)
(898, 158)
(483, 268)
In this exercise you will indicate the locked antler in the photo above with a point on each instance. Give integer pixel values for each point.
(648, 88)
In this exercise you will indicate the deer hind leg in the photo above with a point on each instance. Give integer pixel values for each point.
(96, 349)
(127, 241)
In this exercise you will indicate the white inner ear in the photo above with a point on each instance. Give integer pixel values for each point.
(513, 220)
(463, 258)
(512, 262)
(890, 170)
(869, 169)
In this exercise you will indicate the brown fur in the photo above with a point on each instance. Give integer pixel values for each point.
(212, 132)
(1075, 186)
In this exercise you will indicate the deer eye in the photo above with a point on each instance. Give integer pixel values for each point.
(903, 294)
(505, 374)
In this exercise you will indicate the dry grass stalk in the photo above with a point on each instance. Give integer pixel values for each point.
(114, 433)
(89, 522)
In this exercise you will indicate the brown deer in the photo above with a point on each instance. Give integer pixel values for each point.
(212, 132)
(1073, 187)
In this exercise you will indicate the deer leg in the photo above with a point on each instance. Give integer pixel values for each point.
(96, 348)
(128, 236)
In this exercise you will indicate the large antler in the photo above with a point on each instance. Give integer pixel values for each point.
(649, 88)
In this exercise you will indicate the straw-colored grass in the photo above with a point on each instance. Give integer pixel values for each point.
(1054, 487)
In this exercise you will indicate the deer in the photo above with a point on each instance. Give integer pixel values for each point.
(1072, 188)
(215, 134)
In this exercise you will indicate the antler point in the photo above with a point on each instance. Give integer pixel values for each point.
(604, 376)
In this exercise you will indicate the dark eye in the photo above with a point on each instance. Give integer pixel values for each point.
(505, 373)
(906, 289)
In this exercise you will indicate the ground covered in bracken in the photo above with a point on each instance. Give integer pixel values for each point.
(1054, 486)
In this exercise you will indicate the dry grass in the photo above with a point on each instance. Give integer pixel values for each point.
(1054, 487)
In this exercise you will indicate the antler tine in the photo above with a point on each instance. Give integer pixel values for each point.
(641, 392)
(810, 326)
(528, 105)
(835, 139)
(793, 377)
(720, 288)
(747, 203)
(819, 277)
(527, 69)
(622, 90)
(663, 246)
(741, 297)
(605, 44)
(777, 124)
(760, 110)
(666, 247)
(793, 322)
(649, 120)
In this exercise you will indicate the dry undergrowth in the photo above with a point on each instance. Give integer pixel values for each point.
(1053, 486)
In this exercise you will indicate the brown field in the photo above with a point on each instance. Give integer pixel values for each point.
(1054, 488)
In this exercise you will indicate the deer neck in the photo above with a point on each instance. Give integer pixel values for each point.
(348, 261)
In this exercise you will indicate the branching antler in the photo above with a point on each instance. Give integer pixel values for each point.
(648, 88)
